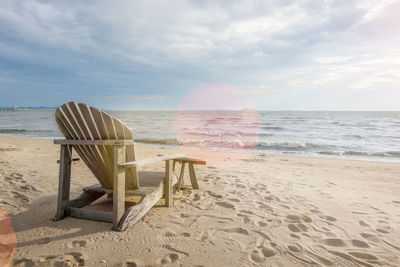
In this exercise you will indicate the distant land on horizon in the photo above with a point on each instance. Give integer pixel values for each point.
(28, 107)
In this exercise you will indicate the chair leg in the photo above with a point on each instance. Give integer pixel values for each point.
(119, 186)
(168, 183)
(64, 182)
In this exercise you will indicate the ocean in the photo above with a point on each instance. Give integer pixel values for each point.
(355, 135)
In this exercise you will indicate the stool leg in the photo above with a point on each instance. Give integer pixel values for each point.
(192, 174)
(181, 175)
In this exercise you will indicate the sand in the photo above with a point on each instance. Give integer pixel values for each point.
(266, 210)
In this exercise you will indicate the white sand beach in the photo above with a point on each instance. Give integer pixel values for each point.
(267, 210)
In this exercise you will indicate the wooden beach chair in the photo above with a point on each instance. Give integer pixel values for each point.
(106, 146)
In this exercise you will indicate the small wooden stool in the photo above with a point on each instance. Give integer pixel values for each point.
(190, 162)
(183, 161)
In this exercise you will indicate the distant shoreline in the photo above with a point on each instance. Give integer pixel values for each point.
(206, 110)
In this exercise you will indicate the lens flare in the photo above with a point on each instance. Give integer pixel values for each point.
(218, 123)
(8, 239)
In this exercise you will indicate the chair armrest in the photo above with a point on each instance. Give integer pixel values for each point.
(121, 142)
(187, 159)
(142, 162)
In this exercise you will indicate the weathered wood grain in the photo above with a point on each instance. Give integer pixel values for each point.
(64, 181)
(119, 186)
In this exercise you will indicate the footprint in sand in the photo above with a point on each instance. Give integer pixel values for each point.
(359, 243)
(170, 237)
(79, 243)
(297, 218)
(27, 188)
(171, 258)
(334, 242)
(296, 228)
(225, 204)
(316, 211)
(295, 248)
(242, 186)
(238, 230)
(245, 218)
(330, 218)
(294, 236)
(259, 254)
(262, 224)
(130, 264)
(371, 237)
(70, 259)
(22, 198)
(364, 256)
(382, 231)
(383, 227)
(205, 236)
(212, 194)
(16, 176)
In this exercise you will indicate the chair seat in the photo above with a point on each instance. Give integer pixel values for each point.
(150, 178)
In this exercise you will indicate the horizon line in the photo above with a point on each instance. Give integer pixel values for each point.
(245, 109)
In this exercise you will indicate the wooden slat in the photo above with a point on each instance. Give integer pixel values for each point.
(93, 142)
(123, 132)
(149, 160)
(85, 134)
(135, 213)
(85, 199)
(88, 214)
(94, 129)
(67, 132)
(87, 152)
(101, 127)
(142, 191)
(191, 160)
(187, 159)
(109, 127)
(132, 180)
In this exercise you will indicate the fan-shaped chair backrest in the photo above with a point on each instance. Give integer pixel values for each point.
(81, 122)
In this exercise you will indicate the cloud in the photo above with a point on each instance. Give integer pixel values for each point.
(136, 98)
(261, 90)
(165, 48)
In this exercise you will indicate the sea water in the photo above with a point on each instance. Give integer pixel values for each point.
(356, 135)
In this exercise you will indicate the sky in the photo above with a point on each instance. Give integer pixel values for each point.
(152, 55)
